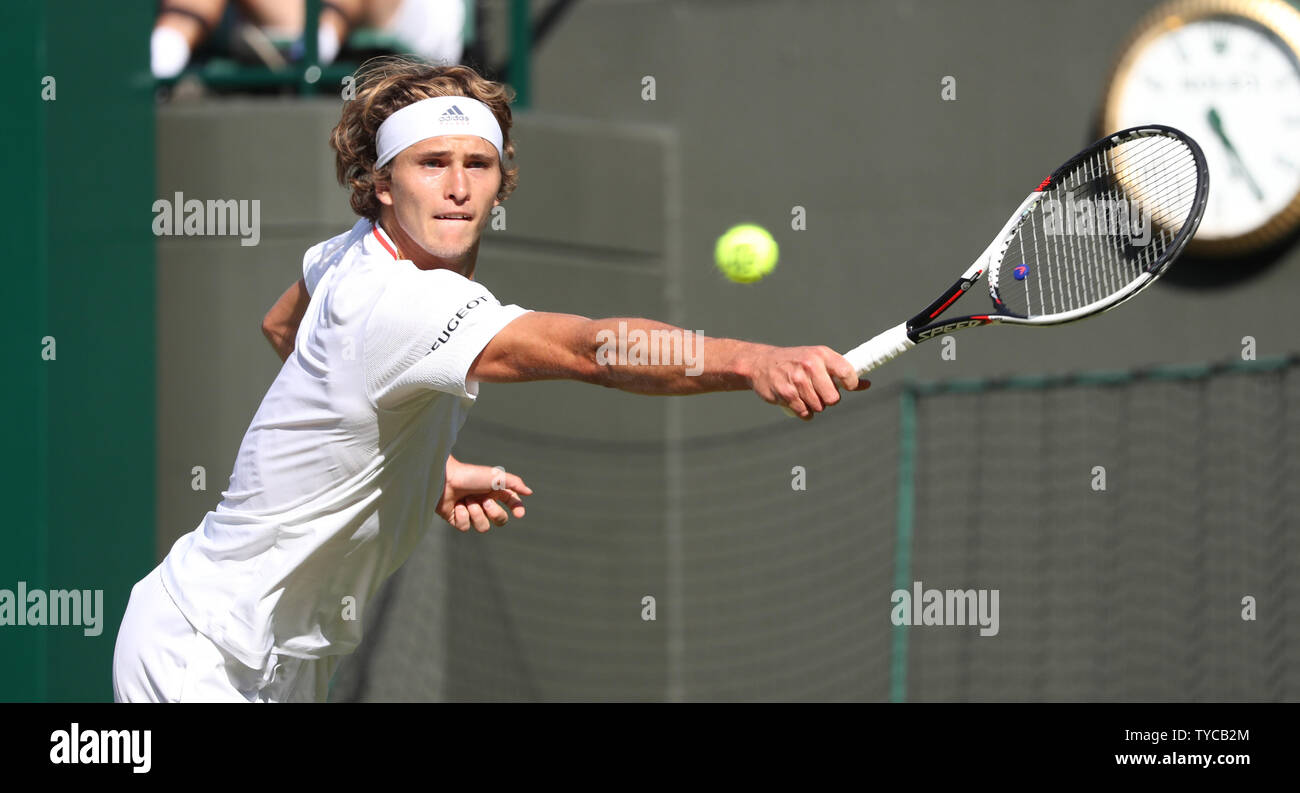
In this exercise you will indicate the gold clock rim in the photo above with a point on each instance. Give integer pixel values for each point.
(1279, 18)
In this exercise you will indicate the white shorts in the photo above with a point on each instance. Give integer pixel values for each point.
(160, 657)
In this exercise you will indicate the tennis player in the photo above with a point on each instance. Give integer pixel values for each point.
(385, 340)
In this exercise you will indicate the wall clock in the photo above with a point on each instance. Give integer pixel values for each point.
(1226, 72)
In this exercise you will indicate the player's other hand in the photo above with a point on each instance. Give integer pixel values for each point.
(804, 379)
(480, 496)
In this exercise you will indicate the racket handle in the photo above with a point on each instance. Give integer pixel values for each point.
(884, 347)
(871, 354)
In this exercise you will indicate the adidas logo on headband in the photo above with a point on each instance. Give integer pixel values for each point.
(452, 115)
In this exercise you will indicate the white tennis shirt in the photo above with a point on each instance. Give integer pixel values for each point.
(341, 468)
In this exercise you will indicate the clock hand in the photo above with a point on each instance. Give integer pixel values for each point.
(1216, 124)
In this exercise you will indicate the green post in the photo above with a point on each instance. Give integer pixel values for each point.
(903, 539)
(521, 49)
(311, 54)
(468, 31)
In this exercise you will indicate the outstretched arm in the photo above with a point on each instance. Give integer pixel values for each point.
(545, 346)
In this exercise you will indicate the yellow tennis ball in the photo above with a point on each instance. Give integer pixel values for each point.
(746, 253)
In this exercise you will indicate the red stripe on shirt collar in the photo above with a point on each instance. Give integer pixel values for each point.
(382, 236)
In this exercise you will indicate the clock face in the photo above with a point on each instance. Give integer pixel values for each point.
(1234, 87)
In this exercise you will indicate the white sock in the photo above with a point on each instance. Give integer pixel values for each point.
(168, 52)
(327, 44)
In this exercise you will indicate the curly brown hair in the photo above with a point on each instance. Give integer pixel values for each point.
(384, 86)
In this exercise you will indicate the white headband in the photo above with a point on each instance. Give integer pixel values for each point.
(429, 118)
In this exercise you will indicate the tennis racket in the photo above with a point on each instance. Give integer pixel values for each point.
(1099, 230)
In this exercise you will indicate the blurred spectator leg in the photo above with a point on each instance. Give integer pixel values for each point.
(433, 29)
(280, 17)
(276, 15)
(336, 19)
(180, 27)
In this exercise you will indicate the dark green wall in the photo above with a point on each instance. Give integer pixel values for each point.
(79, 500)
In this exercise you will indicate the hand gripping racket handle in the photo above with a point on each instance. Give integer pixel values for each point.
(872, 354)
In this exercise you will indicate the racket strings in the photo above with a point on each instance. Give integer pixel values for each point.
(1100, 227)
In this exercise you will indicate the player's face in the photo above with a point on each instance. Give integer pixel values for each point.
(442, 191)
